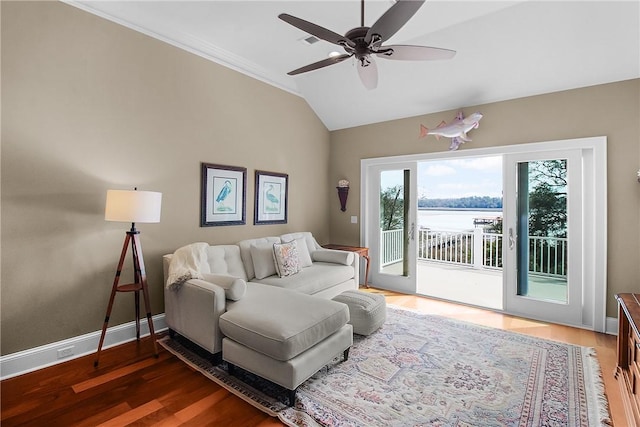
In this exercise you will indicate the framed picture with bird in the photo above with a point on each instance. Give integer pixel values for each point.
(223, 195)
(271, 198)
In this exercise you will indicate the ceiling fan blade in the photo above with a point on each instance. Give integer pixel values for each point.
(368, 72)
(392, 20)
(320, 64)
(414, 53)
(316, 30)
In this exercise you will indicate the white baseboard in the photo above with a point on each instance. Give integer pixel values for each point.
(36, 358)
(611, 325)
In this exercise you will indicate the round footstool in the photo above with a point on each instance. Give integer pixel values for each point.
(367, 311)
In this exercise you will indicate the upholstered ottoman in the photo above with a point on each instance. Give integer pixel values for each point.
(367, 311)
(282, 335)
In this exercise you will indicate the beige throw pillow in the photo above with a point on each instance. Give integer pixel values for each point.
(286, 258)
(303, 252)
(262, 256)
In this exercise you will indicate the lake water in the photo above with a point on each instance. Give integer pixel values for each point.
(455, 220)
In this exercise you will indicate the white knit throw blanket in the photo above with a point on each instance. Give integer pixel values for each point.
(188, 262)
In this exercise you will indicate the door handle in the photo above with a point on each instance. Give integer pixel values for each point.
(512, 240)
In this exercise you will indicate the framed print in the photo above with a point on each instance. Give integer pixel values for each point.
(271, 198)
(223, 195)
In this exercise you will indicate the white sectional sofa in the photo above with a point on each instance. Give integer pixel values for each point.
(194, 310)
(263, 304)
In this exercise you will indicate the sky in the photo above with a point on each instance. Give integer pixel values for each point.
(450, 179)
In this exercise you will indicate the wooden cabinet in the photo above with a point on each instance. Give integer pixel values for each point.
(628, 370)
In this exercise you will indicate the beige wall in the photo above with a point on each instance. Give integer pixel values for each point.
(612, 110)
(89, 105)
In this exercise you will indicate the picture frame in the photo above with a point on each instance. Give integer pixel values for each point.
(271, 198)
(223, 195)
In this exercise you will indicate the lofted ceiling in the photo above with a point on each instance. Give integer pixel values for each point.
(505, 49)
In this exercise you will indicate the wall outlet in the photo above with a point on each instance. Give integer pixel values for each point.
(65, 352)
(354, 219)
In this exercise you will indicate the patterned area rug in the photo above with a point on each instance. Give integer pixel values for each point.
(424, 370)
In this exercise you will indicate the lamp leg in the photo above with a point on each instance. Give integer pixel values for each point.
(136, 279)
(145, 290)
(114, 289)
(147, 306)
(137, 308)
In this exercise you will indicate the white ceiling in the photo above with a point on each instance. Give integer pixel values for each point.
(505, 49)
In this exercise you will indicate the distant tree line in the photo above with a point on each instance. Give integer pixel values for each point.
(473, 202)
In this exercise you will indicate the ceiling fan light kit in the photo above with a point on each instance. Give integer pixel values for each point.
(364, 42)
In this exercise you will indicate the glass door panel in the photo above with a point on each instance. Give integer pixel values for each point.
(394, 241)
(391, 203)
(543, 227)
(542, 216)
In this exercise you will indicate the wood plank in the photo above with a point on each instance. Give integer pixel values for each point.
(170, 421)
(234, 413)
(190, 389)
(197, 408)
(104, 416)
(133, 415)
(112, 375)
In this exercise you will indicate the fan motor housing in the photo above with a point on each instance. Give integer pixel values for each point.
(357, 35)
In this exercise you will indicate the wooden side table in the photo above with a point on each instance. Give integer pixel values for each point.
(363, 252)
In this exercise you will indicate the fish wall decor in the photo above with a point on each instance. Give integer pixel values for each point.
(456, 129)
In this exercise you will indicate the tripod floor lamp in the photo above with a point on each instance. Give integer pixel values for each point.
(132, 206)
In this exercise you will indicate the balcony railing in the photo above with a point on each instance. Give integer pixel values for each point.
(476, 249)
(392, 246)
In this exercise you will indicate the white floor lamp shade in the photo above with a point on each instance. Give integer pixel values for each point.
(133, 206)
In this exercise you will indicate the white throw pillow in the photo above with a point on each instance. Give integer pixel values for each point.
(262, 256)
(234, 288)
(286, 258)
(303, 252)
(333, 256)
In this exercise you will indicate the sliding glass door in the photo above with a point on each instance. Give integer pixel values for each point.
(551, 246)
(391, 225)
(543, 226)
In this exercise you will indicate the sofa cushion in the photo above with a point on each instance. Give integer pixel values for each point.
(279, 323)
(312, 245)
(225, 259)
(286, 258)
(306, 245)
(303, 252)
(262, 259)
(245, 253)
(310, 280)
(234, 287)
(333, 256)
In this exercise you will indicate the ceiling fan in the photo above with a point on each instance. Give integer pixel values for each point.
(364, 42)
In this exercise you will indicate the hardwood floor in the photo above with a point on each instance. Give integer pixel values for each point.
(131, 387)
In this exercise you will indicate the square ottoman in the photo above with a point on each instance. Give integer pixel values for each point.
(367, 311)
